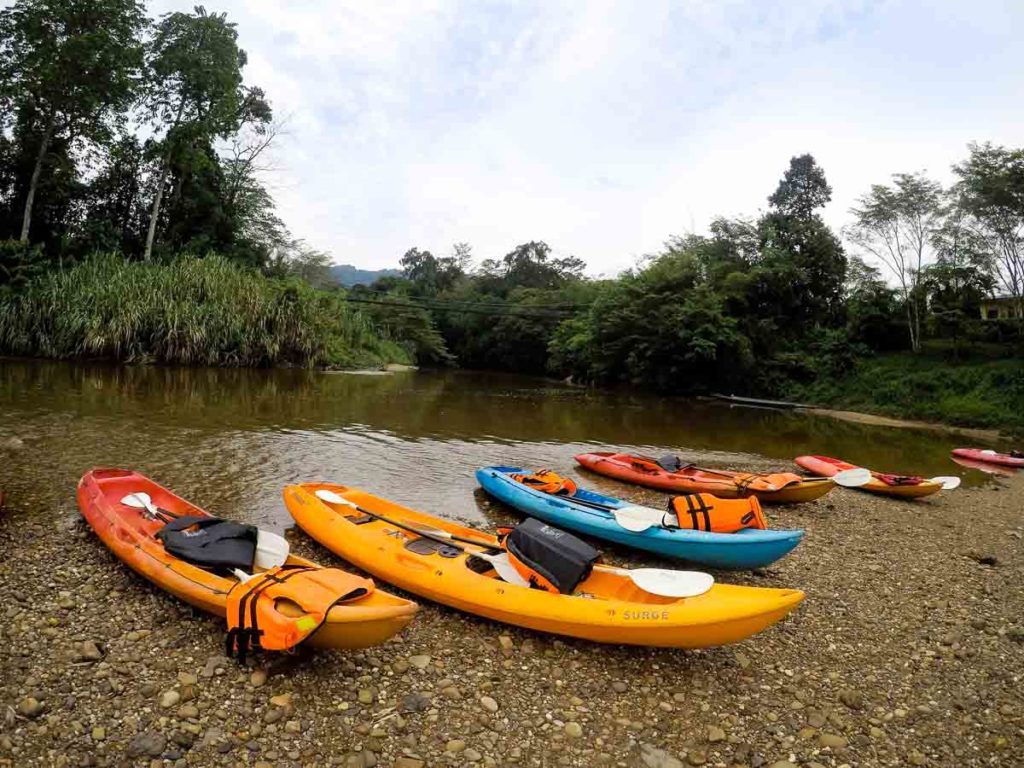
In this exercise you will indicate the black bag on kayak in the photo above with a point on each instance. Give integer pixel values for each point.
(211, 542)
(548, 558)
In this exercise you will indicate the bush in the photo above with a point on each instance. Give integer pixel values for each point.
(189, 311)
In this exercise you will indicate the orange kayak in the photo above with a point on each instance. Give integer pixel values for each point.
(606, 606)
(776, 488)
(131, 536)
(902, 486)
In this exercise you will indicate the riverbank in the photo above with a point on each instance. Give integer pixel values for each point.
(904, 653)
(930, 388)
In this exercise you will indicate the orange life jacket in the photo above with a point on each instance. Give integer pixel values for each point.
(254, 621)
(704, 512)
(546, 481)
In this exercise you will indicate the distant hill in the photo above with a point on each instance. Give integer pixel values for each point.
(348, 275)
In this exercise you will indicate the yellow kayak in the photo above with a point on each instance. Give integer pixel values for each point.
(606, 607)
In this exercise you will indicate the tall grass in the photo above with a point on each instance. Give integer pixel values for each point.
(189, 311)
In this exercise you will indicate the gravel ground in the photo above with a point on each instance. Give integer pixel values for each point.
(909, 650)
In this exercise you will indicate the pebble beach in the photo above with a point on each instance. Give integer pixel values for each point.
(908, 650)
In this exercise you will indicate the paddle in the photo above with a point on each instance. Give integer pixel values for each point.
(142, 500)
(656, 581)
(947, 482)
(500, 562)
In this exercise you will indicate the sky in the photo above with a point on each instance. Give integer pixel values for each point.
(605, 127)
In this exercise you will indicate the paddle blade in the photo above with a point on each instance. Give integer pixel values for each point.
(139, 500)
(660, 581)
(634, 519)
(271, 550)
(852, 478)
(948, 482)
(504, 567)
(332, 498)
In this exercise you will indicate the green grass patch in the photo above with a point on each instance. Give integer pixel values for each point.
(189, 311)
(984, 391)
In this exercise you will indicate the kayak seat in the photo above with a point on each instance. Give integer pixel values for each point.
(210, 542)
(671, 463)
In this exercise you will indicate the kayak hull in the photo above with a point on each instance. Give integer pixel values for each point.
(748, 548)
(989, 457)
(130, 536)
(608, 609)
(724, 485)
(827, 467)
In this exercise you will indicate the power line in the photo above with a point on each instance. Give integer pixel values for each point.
(495, 310)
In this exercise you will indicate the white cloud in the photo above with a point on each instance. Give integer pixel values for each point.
(604, 127)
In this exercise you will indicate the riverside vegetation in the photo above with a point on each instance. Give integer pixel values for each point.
(131, 161)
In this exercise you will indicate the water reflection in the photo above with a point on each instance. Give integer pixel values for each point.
(229, 439)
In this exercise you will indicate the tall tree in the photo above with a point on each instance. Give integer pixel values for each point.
(799, 252)
(73, 64)
(195, 92)
(897, 225)
(991, 191)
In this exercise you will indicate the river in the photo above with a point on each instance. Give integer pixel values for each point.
(231, 439)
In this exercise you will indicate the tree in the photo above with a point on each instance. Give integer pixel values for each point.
(991, 192)
(897, 225)
(802, 190)
(196, 92)
(805, 259)
(72, 64)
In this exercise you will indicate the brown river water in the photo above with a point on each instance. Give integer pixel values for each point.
(229, 440)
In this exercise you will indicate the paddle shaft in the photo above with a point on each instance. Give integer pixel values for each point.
(446, 538)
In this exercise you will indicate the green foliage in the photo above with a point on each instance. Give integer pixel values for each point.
(930, 386)
(991, 193)
(189, 311)
(19, 264)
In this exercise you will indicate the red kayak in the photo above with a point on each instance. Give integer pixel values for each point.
(990, 457)
(905, 486)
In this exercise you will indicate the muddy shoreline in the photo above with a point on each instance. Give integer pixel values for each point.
(909, 650)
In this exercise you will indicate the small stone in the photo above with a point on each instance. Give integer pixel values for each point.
(90, 651)
(30, 707)
(258, 678)
(471, 755)
(715, 734)
(169, 699)
(573, 730)
(832, 741)
(188, 711)
(281, 700)
(653, 757)
(742, 660)
(783, 764)
(916, 758)
(415, 702)
(12, 444)
(696, 757)
(455, 745)
(99, 733)
(408, 762)
(451, 692)
(619, 687)
(65, 602)
(851, 698)
(488, 703)
(420, 662)
(505, 642)
(148, 743)
(366, 696)
(293, 726)
(815, 718)
(273, 715)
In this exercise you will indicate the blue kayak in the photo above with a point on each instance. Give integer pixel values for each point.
(747, 548)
